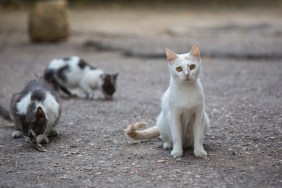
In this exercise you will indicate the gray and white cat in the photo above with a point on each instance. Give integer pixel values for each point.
(72, 73)
(35, 112)
(182, 121)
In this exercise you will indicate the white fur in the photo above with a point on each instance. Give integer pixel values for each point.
(89, 80)
(182, 120)
(22, 105)
(56, 64)
(74, 75)
(51, 109)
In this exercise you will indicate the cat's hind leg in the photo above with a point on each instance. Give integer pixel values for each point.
(65, 90)
(53, 132)
(164, 132)
(17, 133)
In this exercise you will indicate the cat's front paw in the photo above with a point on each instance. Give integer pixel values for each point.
(200, 152)
(42, 139)
(16, 134)
(167, 146)
(176, 153)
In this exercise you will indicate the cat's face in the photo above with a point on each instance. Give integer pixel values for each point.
(34, 124)
(185, 67)
(109, 85)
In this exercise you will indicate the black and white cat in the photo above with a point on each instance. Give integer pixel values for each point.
(35, 112)
(183, 120)
(72, 73)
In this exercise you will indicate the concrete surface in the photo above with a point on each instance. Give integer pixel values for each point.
(241, 77)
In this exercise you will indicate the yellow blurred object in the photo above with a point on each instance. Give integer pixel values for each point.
(49, 21)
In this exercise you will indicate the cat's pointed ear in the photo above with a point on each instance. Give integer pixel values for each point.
(195, 51)
(170, 55)
(40, 115)
(115, 76)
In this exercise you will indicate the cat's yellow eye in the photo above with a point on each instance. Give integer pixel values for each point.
(193, 66)
(179, 69)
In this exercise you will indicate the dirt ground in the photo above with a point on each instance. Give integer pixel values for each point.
(242, 75)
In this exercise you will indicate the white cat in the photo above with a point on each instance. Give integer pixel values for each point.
(72, 73)
(182, 121)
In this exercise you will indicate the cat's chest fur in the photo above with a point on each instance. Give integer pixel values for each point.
(185, 97)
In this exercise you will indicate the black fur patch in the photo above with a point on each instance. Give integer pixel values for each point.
(66, 58)
(82, 64)
(61, 73)
(34, 85)
(65, 90)
(49, 75)
(108, 85)
(38, 95)
(33, 122)
(30, 113)
(92, 68)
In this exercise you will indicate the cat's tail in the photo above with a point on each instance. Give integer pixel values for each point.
(5, 113)
(133, 131)
(50, 76)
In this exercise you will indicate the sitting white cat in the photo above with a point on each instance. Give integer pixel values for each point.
(182, 121)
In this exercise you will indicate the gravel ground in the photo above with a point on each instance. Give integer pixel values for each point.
(241, 76)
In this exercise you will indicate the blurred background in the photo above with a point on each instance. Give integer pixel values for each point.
(226, 28)
(199, 3)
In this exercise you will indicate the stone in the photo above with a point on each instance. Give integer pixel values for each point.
(49, 21)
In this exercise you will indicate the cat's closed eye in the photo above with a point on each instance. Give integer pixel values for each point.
(193, 66)
(178, 69)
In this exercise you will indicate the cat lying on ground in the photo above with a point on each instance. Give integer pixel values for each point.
(72, 73)
(182, 121)
(35, 112)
